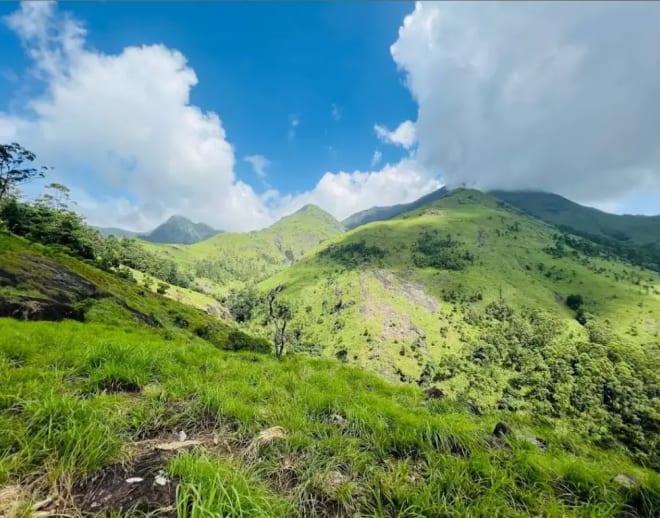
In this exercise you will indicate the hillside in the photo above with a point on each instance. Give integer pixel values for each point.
(137, 407)
(470, 296)
(236, 258)
(630, 236)
(560, 211)
(384, 213)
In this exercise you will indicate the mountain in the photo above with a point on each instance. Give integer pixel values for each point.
(176, 230)
(231, 258)
(635, 238)
(129, 403)
(179, 230)
(493, 307)
(117, 232)
(383, 213)
(555, 209)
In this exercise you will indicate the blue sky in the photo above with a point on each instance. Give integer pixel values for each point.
(167, 100)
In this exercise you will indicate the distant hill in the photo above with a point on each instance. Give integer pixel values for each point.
(180, 230)
(384, 213)
(253, 256)
(637, 235)
(117, 232)
(176, 230)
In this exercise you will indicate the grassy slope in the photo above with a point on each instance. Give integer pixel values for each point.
(253, 256)
(385, 301)
(560, 211)
(78, 398)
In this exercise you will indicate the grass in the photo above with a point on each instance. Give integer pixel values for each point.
(389, 453)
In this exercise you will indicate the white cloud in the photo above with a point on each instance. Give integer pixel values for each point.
(375, 159)
(344, 193)
(122, 133)
(561, 96)
(336, 112)
(404, 135)
(259, 163)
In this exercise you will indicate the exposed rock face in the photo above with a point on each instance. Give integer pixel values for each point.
(28, 308)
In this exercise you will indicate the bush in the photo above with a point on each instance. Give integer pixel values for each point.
(574, 301)
(239, 341)
(442, 253)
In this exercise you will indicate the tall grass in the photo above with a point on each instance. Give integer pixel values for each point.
(75, 397)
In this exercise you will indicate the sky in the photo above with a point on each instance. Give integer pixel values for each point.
(236, 114)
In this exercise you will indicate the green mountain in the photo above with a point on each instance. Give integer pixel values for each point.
(235, 258)
(383, 213)
(642, 230)
(119, 402)
(635, 238)
(179, 230)
(493, 307)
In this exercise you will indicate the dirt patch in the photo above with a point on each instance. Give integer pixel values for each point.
(137, 486)
(413, 291)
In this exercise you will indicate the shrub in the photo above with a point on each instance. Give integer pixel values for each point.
(239, 341)
(574, 301)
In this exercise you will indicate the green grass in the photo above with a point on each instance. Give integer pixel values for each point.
(389, 453)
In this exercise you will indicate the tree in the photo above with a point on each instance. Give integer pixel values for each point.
(574, 301)
(279, 313)
(58, 197)
(15, 167)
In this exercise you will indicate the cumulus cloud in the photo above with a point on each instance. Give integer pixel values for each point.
(375, 159)
(123, 135)
(560, 96)
(259, 164)
(126, 121)
(404, 135)
(345, 193)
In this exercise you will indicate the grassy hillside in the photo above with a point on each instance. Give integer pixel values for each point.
(560, 211)
(636, 237)
(482, 314)
(136, 405)
(385, 213)
(231, 259)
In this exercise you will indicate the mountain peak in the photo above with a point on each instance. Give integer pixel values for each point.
(180, 230)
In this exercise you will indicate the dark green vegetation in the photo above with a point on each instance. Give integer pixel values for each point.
(634, 238)
(385, 213)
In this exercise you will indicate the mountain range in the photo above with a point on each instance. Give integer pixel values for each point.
(177, 229)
